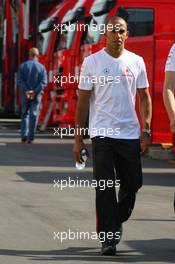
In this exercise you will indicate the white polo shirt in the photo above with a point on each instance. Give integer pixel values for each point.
(170, 63)
(113, 82)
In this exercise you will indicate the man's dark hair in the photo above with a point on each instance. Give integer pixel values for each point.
(114, 17)
(122, 12)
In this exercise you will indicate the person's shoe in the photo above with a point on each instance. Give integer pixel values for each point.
(24, 139)
(108, 248)
(29, 141)
(119, 233)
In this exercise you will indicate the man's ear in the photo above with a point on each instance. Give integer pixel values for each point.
(127, 34)
(105, 31)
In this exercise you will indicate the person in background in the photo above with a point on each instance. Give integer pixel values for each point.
(169, 90)
(31, 78)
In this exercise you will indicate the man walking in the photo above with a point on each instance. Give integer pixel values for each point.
(32, 78)
(109, 81)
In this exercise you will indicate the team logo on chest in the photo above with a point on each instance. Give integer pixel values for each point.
(106, 71)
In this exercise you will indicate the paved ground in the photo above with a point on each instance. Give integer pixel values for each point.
(32, 209)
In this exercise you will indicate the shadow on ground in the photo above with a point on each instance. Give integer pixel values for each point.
(156, 250)
(158, 179)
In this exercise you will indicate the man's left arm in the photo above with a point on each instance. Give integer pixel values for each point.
(42, 82)
(169, 97)
(145, 106)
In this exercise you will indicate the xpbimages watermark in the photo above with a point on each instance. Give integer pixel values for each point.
(62, 184)
(84, 235)
(72, 131)
(101, 79)
(102, 28)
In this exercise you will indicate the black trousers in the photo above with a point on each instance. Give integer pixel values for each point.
(115, 159)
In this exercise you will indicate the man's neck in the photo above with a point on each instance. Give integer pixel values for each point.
(34, 58)
(114, 52)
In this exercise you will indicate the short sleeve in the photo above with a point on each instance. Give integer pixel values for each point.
(85, 82)
(170, 63)
(142, 79)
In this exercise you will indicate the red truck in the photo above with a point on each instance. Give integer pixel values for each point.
(48, 39)
(66, 52)
(17, 22)
(151, 36)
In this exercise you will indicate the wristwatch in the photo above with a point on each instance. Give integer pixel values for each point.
(147, 131)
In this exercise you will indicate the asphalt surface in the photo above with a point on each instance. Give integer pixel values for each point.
(33, 208)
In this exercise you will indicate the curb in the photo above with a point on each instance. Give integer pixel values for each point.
(160, 152)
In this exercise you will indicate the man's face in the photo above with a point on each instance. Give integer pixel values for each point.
(116, 34)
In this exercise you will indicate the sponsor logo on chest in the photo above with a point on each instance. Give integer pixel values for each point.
(127, 73)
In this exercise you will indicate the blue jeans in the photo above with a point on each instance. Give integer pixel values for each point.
(29, 116)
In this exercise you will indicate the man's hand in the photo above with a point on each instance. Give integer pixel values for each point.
(77, 147)
(27, 94)
(145, 141)
(30, 94)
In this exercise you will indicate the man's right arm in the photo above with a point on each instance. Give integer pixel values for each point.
(85, 87)
(80, 119)
(169, 97)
